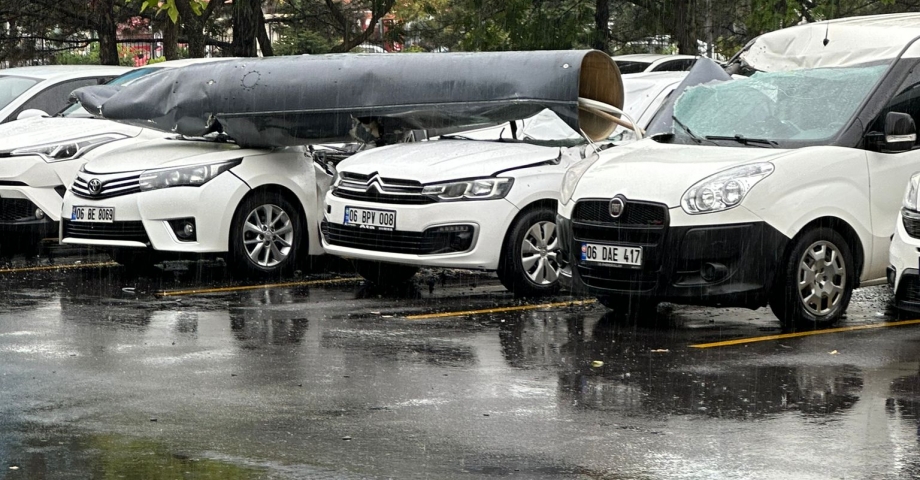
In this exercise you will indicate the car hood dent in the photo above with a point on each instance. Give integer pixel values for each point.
(36, 131)
(662, 172)
(163, 153)
(442, 160)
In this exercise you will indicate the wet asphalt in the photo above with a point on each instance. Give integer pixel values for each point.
(105, 375)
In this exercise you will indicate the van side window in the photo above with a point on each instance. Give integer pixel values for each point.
(907, 100)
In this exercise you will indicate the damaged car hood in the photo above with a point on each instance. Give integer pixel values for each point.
(162, 153)
(647, 170)
(36, 131)
(446, 159)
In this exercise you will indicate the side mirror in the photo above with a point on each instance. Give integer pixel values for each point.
(900, 133)
(32, 112)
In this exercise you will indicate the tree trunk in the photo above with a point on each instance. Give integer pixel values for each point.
(602, 26)
(245, 28)
(171, 40)
(683, 30)
(265, 42)
(107, 32)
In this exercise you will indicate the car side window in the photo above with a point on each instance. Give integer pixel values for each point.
(907, 100)
(674, 66)
(54, 98)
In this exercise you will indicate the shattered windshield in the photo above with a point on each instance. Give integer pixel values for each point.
(808, 104)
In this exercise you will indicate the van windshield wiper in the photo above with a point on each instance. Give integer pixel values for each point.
(685, 128)
(743, 140)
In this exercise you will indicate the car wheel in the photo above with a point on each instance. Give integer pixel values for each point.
(381, 273)
(266, 235)
(814, 285)
(530, 263)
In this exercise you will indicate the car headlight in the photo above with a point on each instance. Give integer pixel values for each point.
(725, 189)
(191, 176)
(476, 189)
(910, 195)
(68, 149)
(573, 176)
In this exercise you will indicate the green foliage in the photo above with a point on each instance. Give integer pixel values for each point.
(169, 6)
(299, 41)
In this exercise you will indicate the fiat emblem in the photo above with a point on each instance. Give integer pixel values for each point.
(616, 207)
(94, 186)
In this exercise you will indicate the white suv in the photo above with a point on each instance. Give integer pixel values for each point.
(781, 188)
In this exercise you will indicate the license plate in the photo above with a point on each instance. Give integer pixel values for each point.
(93, 214)
(370, 218)
(611, 254)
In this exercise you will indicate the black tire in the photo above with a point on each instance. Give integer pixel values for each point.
(542, 276)
(283, 233)
(830, 252)
(636, 309)
(381, 273)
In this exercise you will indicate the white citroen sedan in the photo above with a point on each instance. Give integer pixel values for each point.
(487, 203)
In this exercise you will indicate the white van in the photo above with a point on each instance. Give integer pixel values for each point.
(780, 188)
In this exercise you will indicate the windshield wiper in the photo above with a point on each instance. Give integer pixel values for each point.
(685, 128)
(743, 140)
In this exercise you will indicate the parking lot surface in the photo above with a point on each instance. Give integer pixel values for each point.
(191, 374)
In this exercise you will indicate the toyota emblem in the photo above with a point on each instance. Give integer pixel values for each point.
(94, 186)
(616, 207)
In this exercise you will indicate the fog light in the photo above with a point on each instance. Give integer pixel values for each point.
(712, 272)
(184, 228)
(452, 229)
(39, 214)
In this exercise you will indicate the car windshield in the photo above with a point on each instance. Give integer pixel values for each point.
(76, 110)
(631, 67)
(12, 87)
(544, 128)
(798, 105)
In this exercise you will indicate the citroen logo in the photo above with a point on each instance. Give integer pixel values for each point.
(617, 206)
(94, 186)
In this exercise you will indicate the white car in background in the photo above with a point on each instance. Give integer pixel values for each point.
(487, 203)
(36, 91)
(904, 255)
(40, 155)
(642, 63)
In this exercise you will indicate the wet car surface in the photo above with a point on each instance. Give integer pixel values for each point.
(188, 373)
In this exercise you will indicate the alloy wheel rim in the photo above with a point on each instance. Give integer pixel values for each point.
(822, 278)
(540, 253)
(268, 235)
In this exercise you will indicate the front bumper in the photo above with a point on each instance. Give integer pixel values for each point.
(414, 241)
(19, 211)
(904, 259)
(142, 220)
(717, 264)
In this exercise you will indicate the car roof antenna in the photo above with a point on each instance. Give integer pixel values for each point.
(513, 129)
(826, 29)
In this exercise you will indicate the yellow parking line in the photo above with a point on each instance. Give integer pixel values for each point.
(767, 338)
(499, 310)
(69, 266)
(240, 288)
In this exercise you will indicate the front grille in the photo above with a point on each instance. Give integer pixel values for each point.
(911, 221)
(112, 185)
(16, 209)
(414, 243)
(373, 188)
(127, 231)
(909, 289)
(642, 224)
(634, 214)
